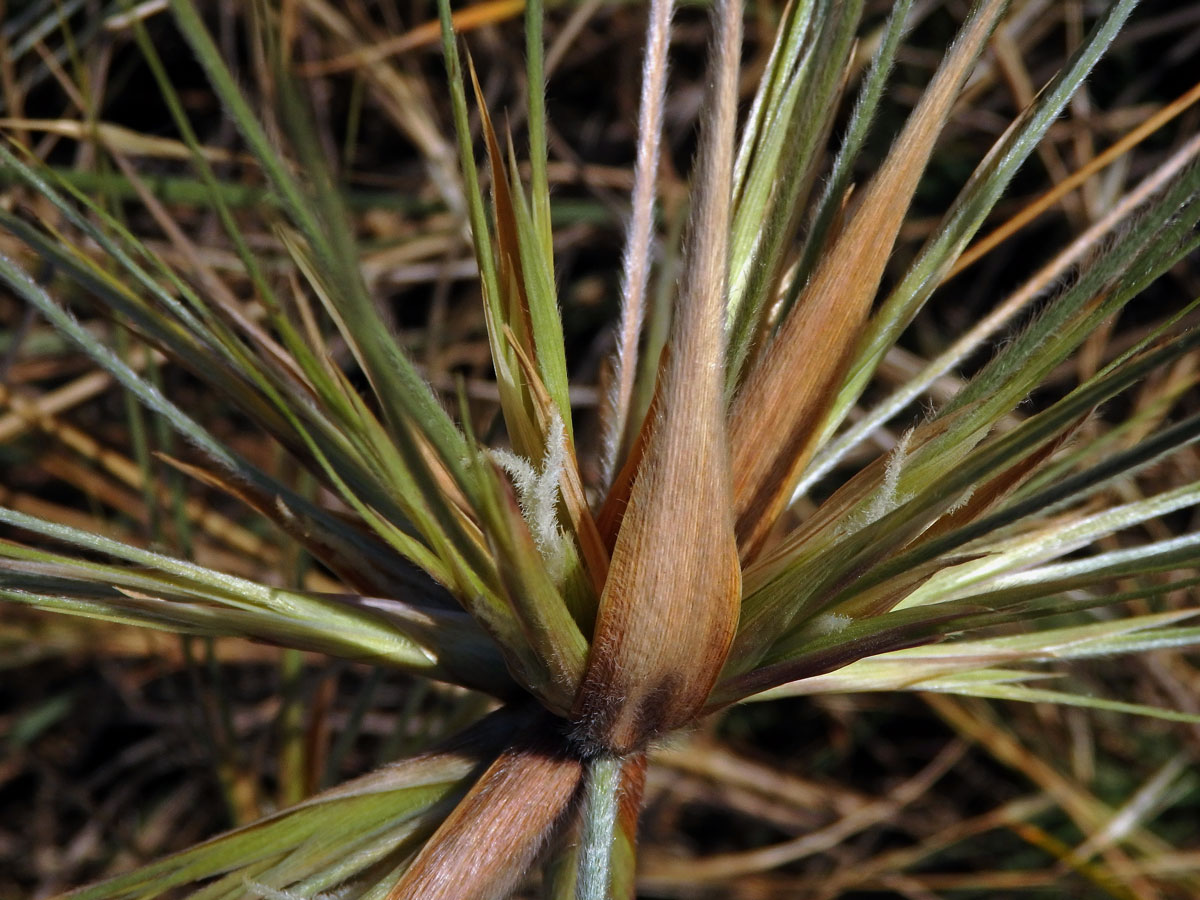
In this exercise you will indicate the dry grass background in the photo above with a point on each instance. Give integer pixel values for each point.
(117, 746)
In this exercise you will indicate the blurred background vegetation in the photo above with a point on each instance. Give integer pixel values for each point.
(119, 745)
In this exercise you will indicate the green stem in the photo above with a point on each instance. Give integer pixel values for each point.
(601, 801)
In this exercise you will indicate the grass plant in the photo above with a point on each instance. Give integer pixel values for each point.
(724, 530)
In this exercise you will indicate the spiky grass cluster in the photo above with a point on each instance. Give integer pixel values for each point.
(691, 583)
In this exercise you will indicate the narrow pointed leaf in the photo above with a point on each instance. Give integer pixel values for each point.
(829, 207)
(1027, 694)
(947, 666)
(985, 187)
(784, 397)
(639, 242)
(781, 175)
(574, 500)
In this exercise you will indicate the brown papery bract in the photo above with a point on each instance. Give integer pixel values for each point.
(670, 604)
(484, 847)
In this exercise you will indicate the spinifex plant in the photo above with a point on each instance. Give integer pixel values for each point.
(605, 616)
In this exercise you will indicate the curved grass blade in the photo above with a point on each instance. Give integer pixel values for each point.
(973, 339)
(862, 560)
(282, 614)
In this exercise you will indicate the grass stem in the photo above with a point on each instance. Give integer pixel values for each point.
(601, 801)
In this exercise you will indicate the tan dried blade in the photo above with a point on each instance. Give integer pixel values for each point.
(670, 604)
(513, 307)
(774, 418)
(508, 249)
(490, 838)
